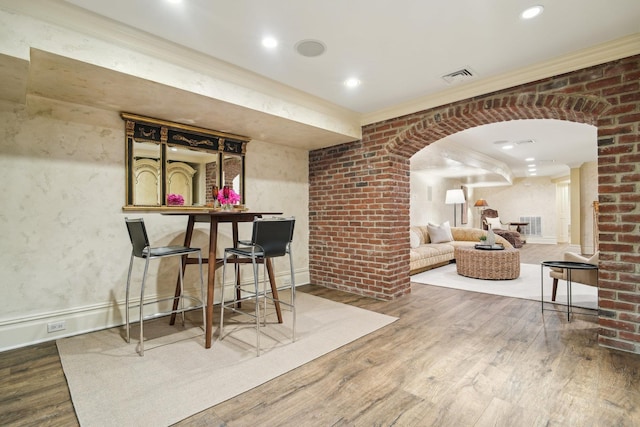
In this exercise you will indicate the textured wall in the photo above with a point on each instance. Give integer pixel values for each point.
(65, 250)
(531, 196)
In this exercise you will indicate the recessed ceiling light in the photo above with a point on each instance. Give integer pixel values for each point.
(533, 174)
(352, 82)
(532, 12)
(529, 159)
(507, 147)
(269, 42)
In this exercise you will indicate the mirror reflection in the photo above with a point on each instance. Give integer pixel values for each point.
(232, 173)
(173, 164)
(146, 174)
(191, 174)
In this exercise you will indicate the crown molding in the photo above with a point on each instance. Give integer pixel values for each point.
(595, 55)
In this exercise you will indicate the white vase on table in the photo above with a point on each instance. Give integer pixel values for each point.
(491, 238)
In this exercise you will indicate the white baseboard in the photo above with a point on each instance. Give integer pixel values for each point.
(16, 333)
(542, 240)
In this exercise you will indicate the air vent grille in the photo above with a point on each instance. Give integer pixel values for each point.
(458, 76)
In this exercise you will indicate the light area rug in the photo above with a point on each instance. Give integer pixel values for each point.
(111, 385)
(527, 286)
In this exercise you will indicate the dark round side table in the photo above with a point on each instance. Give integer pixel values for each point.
(566, 265)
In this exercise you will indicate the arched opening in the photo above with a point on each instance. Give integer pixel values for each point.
(361, 244)
(516, 167)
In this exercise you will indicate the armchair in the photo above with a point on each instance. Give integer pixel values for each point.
(491, 217)
(586, 277)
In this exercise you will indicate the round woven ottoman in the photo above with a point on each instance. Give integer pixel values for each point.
(484, 264)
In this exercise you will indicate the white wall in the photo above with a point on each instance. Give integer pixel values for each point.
(64, 251)
(428, 194)
(533, 196)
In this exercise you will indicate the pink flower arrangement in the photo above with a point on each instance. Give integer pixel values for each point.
(228, 196)
(175, 199)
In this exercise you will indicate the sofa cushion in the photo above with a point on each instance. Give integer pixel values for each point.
(440, 233)
(494, 223)
(429, 255)
(414, 239)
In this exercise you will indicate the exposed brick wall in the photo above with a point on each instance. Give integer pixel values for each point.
(359, 192)
(211, 180)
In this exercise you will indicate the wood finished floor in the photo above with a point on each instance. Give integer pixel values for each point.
(453, 358)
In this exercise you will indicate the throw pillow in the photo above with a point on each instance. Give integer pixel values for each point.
(494, 223)
(414, 239)
(440, 233)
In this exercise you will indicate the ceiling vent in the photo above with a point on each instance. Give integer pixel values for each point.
(459, 76)
(525, 141)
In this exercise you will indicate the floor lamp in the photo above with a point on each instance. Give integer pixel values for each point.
(481, 203)
(454, 197)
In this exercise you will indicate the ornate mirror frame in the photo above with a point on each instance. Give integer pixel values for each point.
(164, 158)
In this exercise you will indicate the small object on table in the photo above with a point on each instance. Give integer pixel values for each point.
(494, 247)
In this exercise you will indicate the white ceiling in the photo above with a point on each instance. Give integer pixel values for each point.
(477, 156)
(399, 50)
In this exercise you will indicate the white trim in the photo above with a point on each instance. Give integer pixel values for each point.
(599, 54)
(24, 331)
(542, 240)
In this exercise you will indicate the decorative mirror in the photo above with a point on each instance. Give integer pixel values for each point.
(174, 164)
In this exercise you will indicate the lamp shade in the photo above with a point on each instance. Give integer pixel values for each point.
(454, 196)
(481, 203)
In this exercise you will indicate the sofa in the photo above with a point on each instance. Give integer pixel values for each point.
(426, 255)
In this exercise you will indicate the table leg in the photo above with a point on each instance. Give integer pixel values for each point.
(211, 278)
(542, 287)
(187, 242)
(274, 288)
(569, 294)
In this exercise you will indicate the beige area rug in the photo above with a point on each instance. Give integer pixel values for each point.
(527, 286)
(111, 385)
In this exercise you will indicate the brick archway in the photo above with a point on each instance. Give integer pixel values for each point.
(359, 192)
(452, 119)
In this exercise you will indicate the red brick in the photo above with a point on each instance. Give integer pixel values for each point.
(620, 345)
(605, 95)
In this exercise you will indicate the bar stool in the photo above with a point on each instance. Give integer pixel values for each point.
(142, 249)
(271, 238)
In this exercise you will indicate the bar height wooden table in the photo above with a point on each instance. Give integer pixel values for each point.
(214, 217)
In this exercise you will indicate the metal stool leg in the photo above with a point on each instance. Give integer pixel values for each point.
(127, 299)
(144, 279)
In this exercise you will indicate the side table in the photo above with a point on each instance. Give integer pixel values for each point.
(569, 266)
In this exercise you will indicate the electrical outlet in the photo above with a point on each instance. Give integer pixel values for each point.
(56, 326)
